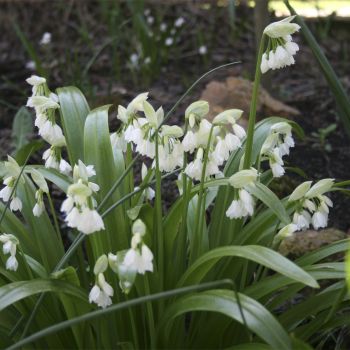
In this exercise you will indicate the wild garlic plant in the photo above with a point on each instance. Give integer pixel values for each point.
(113, 247)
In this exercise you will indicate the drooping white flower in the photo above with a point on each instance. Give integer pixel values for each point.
(46, 39)
(241, 207)
(239, 131)
(12, 263)
(10, 243)
(12, 172)
(64, 167)
(90, 221)
(40, 120)
(189, 142)
(276, 163)
(150, 20)
(319, 219)
(101, 293)
(279, 35)
(38, 209)
(16, 204)
(302, 219)
(52, 133)
(51, 159)
(5, 193)
(179, 22)
(169, 41)
(141, 261)
(202, 50)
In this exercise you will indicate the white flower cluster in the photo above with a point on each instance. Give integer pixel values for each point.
(141, 132)
(281, 48)
(80, 204)
(10, 243)
(40, 181)
(221, 144)
(312, 207)
(12, 172)
(243, 202)
(138, 259)
(101, 292)
(126, 264)
(312, 204)
(211, 143)
(276, 145)
(45, 104)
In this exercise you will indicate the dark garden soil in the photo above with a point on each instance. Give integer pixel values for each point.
(78, 31)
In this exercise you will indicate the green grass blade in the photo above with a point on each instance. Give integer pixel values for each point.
(98, 152)
(259, 320)
(262, 255)
(13, 292)
(74, 110)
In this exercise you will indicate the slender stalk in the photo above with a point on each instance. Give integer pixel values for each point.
(118, 182)
(197, 236)
(159, 223)
(192, 86)
(150, 315)
(133, 326)
(252, 112)
(53, 213)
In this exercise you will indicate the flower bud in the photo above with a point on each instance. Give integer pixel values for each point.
(199, 109)
(101, 265)
(172, 131)
(281, 28)
(320, 187)
(300, 191)
(228, 117)
(243, 178)
(139, 227)
(39, 180)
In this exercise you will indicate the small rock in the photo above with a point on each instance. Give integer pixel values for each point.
(309, 240)
(236, 92)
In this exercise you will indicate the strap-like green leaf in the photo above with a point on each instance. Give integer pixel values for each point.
(263, 193)
(74, 110)
(262, 255)
(22, 127)
(98, 152)
(13, 292)
(257, 318)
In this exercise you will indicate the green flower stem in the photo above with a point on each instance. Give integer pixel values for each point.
(54, 216)
(150, 315)
(133, 326)
(252, 112)
(158, 221)
(128, 162)
(180, 253)
(197, 237)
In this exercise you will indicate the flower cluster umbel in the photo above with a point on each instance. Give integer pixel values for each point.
(45, 104)
(126, 264)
